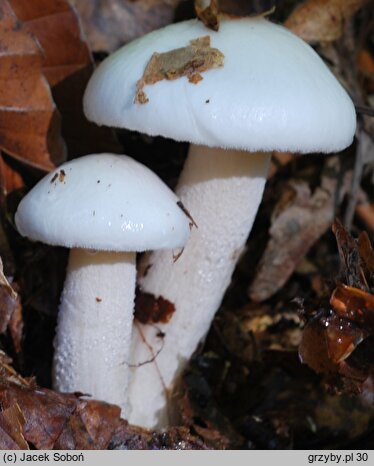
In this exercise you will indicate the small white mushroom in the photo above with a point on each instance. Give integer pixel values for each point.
(272, 93)
(105, 208)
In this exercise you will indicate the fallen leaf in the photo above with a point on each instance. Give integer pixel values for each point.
(46, 412)
(298, 224)
(67, 65)
(336, 340)
(322, 20)
(350, 265)
(313, 349)
(342, 337)
(188, 61)
(10, 178)
(8, 374)
(128, 437)
(56, 27)
(11, 425)
(299, 219)
(10, 310)
(91, 426)
(49, 420)
(29, 122)
(64, 421)
(355, 305)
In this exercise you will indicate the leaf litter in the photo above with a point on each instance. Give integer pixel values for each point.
(246, 387)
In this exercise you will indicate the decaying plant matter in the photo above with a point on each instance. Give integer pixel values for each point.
(288, 360)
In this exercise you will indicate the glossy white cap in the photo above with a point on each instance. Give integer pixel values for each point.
(103, 202)
(273, 92)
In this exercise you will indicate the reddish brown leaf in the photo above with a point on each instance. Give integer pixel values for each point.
(11, 426)
(313, 349)
(67, 66)
(355, 305)
(56, 27)
(29, 123)
(10, 179)
(322, 20)
(54, 420)
(90, 427)
(342, 337)
(45, 412)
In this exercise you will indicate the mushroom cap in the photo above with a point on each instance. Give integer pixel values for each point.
(273, 92)
(103, 202)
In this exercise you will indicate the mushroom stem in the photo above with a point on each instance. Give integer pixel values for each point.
(222, 189)
(93, 336)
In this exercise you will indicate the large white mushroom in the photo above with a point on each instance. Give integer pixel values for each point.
(270, 92)
(104, 208)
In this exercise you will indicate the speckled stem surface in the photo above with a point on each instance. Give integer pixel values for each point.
(93, 334)
(222, 190)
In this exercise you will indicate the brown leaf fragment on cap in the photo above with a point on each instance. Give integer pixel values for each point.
(207, 12)
(187, 61)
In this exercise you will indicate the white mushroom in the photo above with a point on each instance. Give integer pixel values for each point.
(105, 208)
(272, 93)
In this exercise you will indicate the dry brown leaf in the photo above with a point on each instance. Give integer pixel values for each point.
(45, 412)
(10, 179)
(11, 426)
(10, 310)
(351, 271)
(336, 340)
(56, 27)
(54, 420)
(67, 66)
(322, 20)
(188, 61)
(29, 123)
(8, 374)
(91, 426)
(298, 224)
